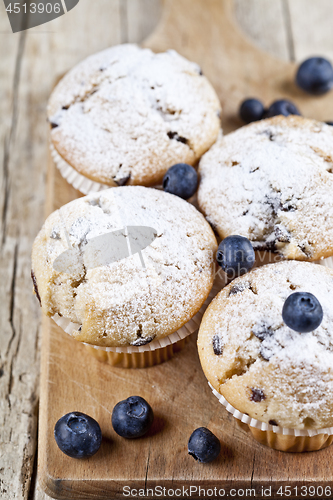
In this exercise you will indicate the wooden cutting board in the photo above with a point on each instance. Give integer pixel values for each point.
(71, 380)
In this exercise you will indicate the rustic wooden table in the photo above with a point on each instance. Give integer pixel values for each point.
(30, 63)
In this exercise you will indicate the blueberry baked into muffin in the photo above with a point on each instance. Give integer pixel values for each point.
(272, 182)
(125, 115)
(150, 276)
(262, 367)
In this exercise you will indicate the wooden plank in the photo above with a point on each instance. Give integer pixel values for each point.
(31, 62)
(141, 464)
(47, 55)
(311, 25)
(88, 28)
(18, 372)
(264, 23)
(142, 18)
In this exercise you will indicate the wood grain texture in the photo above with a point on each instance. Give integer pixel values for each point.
(30, 63)
(264, 23)
(120, 25)
(311, 25)
(142, 18)
(177, 390)
(19, 323)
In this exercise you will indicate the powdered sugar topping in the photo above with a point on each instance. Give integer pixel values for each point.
(272, 181)
(293, 370)
(125, 115)
(149, 293)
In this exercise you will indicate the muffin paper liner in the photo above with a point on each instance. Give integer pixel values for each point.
(180, 334)
(78, 181)
(190, 327)
(137, 359)
(262, 426)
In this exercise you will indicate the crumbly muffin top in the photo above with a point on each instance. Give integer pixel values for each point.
(262, 367)
(272, 182)
(125, 115)
(143, 281)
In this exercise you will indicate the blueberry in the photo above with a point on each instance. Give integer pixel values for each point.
(257, 395)
(203, 445)
(315, 75)
(217, 345)
(251, 110)
(182, 180)
(132, 417)
(329, 123)
(78, 435)
(282, 107)
(302, 312)
(235, 255)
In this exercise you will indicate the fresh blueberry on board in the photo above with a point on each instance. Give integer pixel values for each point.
(251, 110)
(78, 435)
(315, 75)
(203, 445)
(302, 312)
(132, 418)
(282, 107)
(182, 180)
(235, 255)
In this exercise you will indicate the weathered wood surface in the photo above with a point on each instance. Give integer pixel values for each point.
(30, 63)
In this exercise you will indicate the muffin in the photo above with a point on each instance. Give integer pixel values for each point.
(271, 181)
(125, 115)
(276, 380)
(124, 270)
